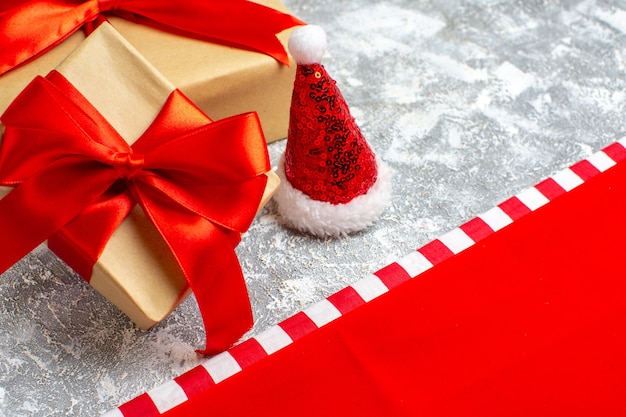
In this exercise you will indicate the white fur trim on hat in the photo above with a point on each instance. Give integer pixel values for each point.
(320, 218)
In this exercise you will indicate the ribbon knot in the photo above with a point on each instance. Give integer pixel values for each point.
(68, 190)
(128, 164)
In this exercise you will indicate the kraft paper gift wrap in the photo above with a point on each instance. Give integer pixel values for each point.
(221, 80)
(136, 272)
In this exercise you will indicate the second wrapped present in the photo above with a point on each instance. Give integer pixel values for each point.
(228, 57)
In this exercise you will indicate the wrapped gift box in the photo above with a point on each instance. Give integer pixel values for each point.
(136, 271)
(222, 81)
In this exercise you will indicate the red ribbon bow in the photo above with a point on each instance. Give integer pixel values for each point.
(199, 182)
(31, 27)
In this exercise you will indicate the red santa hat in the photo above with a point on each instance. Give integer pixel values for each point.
(332, 182)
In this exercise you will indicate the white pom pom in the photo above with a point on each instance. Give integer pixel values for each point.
(307, 44)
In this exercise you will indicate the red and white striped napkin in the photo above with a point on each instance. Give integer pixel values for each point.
(517, 312)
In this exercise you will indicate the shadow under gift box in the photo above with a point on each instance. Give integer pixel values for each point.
(222, 81)
(136, 271)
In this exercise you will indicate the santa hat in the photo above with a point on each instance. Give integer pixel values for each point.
(332, 182)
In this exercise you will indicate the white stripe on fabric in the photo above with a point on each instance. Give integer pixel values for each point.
(221, 366)
(414, 263)
(532, 198)
(167, 396)
(322, 313)
(496, 218)
(370, 287)
(567, 179)
(601, 161)
(273, 339)
(456, 240)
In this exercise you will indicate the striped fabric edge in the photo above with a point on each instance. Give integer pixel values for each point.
(226, 364)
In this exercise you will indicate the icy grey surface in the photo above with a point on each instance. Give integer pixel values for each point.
(468, 101)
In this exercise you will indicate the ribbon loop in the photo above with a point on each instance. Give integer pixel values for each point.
(127, 164)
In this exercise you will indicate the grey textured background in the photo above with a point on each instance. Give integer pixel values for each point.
(468, 101)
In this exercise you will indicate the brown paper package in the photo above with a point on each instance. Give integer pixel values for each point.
(222, 81)
(136, 271)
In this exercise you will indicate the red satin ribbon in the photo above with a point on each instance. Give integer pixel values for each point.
(31, 27)
(199, 182)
